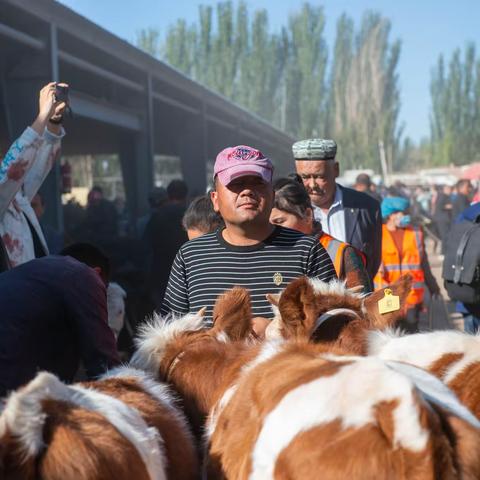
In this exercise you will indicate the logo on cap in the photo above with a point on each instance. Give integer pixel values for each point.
(245, 154)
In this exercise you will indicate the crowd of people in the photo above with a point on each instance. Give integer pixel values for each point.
(250, 229)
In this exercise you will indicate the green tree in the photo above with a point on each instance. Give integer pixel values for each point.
(148, 39)
(365, 102)
(455, 114)
(305, 72)
(282, 76)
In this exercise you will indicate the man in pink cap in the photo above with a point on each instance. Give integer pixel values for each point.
(249, 251)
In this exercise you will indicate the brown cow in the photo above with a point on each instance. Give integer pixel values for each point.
(331, 314)
(165, 346)
(299, 410)
(452, 356)
(124, 426)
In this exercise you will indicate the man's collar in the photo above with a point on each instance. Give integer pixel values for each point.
(338, 198)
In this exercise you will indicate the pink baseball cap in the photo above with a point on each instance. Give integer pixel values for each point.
(239, 161)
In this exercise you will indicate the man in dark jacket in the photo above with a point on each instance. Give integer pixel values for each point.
(54, 315)
(164, 235)
(345, 214)
(463, 198)
(442, 214)
(471, 313)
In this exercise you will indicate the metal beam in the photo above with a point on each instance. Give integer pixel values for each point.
(21, 37)
(54, 52)
(92, 108)
(220, 122)
(175, 103)
(86, 31)
(150, 127)
(55, 176)
(101, 72)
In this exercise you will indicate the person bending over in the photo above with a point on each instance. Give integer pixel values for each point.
(54, 316)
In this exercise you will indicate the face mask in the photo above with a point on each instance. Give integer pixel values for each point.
(405, 221)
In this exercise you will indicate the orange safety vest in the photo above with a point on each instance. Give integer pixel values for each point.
(393, 267)
(335, 249)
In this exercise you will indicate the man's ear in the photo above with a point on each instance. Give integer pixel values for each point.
(336, 168)
(400, 288)
(214, 199)
(232, 314)
(297, 309)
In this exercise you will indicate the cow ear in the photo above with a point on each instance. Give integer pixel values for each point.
(297, 309)
(400, 288)
(232, 314)
(273, 299)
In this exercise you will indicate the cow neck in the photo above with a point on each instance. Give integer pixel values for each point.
(173, 364)
(221, 366)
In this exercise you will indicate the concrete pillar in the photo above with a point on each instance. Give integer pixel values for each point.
(128, 161)
(51, 189)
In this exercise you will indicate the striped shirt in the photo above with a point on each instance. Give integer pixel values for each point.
(207, 266)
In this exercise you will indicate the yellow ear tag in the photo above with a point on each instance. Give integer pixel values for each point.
(389, 303)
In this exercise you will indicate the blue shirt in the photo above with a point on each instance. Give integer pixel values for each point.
(53, 314)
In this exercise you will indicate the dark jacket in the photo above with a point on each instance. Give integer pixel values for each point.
(54, 315)
(470, 214)
(460, 203)
(363, 226)
(164, 235)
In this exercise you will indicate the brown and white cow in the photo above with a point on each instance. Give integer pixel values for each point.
(124, 426)
(287, 409)
(331, 314)
(166, 346)
(452, 356)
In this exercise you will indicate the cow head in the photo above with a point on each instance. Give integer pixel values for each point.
(311, 310)
(184, 353)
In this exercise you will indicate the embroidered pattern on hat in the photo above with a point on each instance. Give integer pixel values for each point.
(245, 154)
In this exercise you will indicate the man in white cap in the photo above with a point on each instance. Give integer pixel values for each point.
(344, 213)
(248, 251)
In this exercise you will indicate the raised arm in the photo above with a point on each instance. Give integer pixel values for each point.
(48, 152)
(36, 142)
(15, 164)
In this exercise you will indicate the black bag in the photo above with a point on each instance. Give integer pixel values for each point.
(461, 265)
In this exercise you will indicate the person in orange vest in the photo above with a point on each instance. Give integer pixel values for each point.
(293, 209)
(403, 251)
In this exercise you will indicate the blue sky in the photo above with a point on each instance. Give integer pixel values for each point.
(425, 27)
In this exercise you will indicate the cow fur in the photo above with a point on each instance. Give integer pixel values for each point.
(357, 406)
(452, 356)
(305, 300)
(163, 343)
(302, 412)
(123, 426)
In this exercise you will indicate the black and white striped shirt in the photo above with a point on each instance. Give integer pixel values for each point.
(207, 266)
